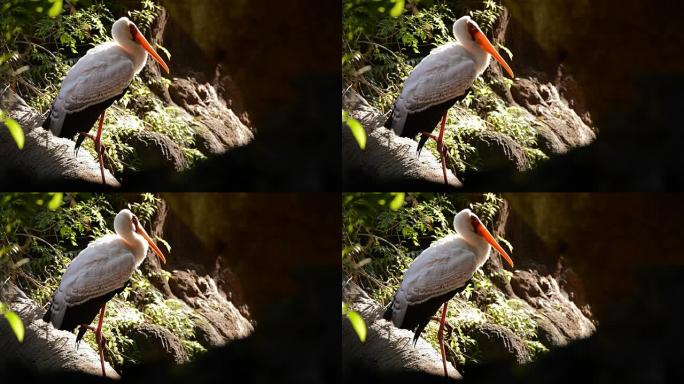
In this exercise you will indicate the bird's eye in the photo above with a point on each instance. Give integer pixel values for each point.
(472, 30)
(133, 30)
(475, 222)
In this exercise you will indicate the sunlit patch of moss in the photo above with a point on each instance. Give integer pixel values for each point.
(171, 122)
(491, 307)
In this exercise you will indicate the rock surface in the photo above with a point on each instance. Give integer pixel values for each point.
(497, 343)
(560, 127)
(157, 151)
(219, 129)
(157, 343)
(219, 320)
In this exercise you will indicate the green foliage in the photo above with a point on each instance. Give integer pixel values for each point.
(487, 16)
(15, 130)
(144, 17)
(379, 50)
(356, 322)
(356, 128)
(487, 209)
(14, 321)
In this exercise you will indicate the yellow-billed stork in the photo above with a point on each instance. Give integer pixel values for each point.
(97, 274)
(439, 273)
(441, 79)
(96, 81)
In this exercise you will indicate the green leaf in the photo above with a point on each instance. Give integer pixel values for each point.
(56, 8)
(357, 323)
(164, 243)
(16, 324)
(397, 9)
(56, 201)
(16, 131)
(356, 129)
(398, 201)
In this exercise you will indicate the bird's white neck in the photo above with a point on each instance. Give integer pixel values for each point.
(137, 245)
(136, 52)
(479, 56)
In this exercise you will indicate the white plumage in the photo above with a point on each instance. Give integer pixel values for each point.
(446, 73)
(104, 72)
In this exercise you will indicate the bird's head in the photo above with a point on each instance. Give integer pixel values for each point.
(470, 35)
(126, 222)
(126, 32)
(467, 223)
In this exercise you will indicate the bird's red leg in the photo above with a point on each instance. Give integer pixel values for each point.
(440, 337)
(99, 148)
(98, 337)
(441, 148)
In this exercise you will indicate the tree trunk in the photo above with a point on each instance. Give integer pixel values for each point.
(45, 159)
(44, 348)
(387, 349)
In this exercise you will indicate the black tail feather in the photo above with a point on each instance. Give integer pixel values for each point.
(421, 142)
(79, 141)
(46, 123)
(81, 331)
(388, 311)
(48, 314)
(388, 123)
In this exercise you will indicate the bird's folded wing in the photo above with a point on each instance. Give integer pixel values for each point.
(439, 274)
(440, 77)
(96, 78)
(99, 269)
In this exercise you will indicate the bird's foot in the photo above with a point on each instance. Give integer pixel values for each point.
(442, 150)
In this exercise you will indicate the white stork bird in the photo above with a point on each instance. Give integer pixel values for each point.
(439, 81)
(439, 273)
(97, 274)
(96, 81)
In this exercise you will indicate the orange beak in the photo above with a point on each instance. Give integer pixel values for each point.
(483, 42)
(141, 231)
(143, 41)
(482, 231)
